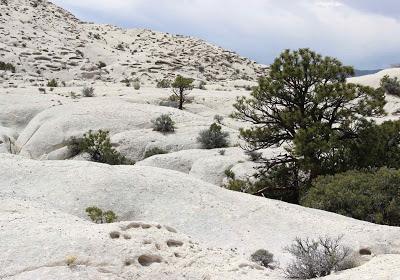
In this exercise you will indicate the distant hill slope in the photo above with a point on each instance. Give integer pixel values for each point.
(359, 73)
(44, 41)
(373, 80)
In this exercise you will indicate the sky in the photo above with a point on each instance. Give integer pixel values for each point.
(362, 33)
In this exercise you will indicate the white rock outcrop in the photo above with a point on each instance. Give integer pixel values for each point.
(212, 215)
(53, 128)
(43, 243)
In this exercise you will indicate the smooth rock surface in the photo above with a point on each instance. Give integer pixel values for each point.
(212, 215)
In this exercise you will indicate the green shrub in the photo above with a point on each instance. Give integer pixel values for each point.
(164, 83)
(101, 64)
(154, 151)
(88, 92)
(213, 137)
(254, 155)
(164, 124)
(263, 257)
(74, 146)
(315, 258)
(109, 217)
(237, 185)
(120, 47)
(126, 81)
(230, 174)
(98, 146)
(218, 119)
(376, 146)
(7, 67)
(136, 85)
(391, 85)
(52, 83)
(99, 217)
(369, 196)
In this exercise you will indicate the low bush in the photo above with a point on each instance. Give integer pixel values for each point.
(164, 83)
(263, 257)
(98, 216)
(120, 47)
(136, 85)
(52, 83)
(218, 119)
(237, 185)
(391, 85)
(126, 81)
(164, 124)
(213, 137)
(101, 64)
(154, 151)
(98, 146)
(7, 67)
(88, 92)
(254, 155)
(316, 258)
(70, 260)
(230, 174)
(369, 196)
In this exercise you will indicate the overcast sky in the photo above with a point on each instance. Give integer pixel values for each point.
(363, 33)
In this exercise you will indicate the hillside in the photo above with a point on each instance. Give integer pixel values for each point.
(44, 41)
(176, 217)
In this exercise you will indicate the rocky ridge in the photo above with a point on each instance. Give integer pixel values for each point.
(44, 41)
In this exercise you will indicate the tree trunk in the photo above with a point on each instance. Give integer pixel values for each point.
(181, 100)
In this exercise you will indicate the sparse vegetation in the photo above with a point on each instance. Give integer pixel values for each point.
(98, 146)
(101, 64)
(120, 47)
(127, 82)
(213, 137)
(52, 83)
(218, 119)
(230, 174)
(391, 85)
(316, 258)
(70, 260)
(7, 67)
(238, 185)
(88, 92)
(263, 257)
(164, 123)
(181, 87)
(164, 83)
(136, 84)
(154, 151)
(73, 95)
(254, 155)
(99, 217)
